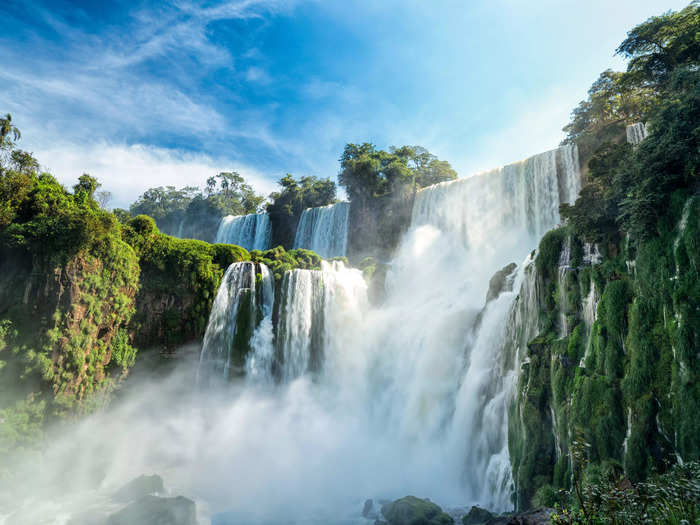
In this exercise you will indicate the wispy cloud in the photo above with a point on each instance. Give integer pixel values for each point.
(128, 170)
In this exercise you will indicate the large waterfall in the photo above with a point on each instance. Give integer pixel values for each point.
(251, 231)
(409, 396)
(324, 230)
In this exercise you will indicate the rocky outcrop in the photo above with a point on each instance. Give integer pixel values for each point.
(142, 486)
(153, 510)
(414, 511)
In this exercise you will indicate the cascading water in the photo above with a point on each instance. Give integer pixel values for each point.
(314, 306)
(636, 133)
(407, 397)
(251, 231)
(562, 302)
(324, 230)
(239, 304)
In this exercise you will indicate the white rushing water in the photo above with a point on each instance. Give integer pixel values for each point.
(413, 393)
(239, 290)
(324, 230)
(350, 400)
(636, 133)
(251, 231)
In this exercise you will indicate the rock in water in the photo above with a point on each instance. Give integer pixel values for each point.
(152, 510)
(500, 282)
(415, 511)
(141, 486)
(477, 515)
(367, 508)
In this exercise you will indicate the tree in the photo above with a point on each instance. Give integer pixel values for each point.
(104, 198)
(7, 129)
(663, 44)
(86, 184)
(286, 206)
(369, 173)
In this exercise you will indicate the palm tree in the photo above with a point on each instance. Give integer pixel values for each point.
(6, 128)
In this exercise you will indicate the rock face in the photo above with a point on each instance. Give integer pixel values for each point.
(477, 515)
(139, 487)
(152, 510)
(415, 511)
(500, 282)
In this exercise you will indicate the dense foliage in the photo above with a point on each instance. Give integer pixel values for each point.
(286, 205)
(191, 212)
(625, 383)
(629, 188)
(179, 279)
(67, 283)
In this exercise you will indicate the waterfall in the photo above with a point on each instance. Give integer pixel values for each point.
(239, 306)
(408, 396)
(324, 230)
(636, 133)
(310, 303)
(251, 231)
(562, 303)
(512, 205)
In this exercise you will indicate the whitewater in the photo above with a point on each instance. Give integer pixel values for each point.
(354, 400)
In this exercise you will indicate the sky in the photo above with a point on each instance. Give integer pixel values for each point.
(143, 94)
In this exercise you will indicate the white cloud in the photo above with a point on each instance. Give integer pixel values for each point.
(127, 171)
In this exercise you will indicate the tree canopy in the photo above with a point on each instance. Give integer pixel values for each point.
(285, 206)
(367, 172)
(629, 187)
(226, 193)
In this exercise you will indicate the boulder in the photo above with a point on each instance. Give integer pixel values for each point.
(415, 511)
(153, 510)
(476, 515)
(141, 486)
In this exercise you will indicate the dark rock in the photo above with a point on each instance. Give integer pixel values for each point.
(367, 508)
(476, 515)
(152, 510)
(501, 282)
(415, 511)
(141, 486)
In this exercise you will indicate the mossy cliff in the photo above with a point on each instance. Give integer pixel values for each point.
(67, 288)
(179, 279)
(615, 364)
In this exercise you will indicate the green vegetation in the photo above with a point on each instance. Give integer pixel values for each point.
(381, 187)
(68, 282)
(605, 497)
(286, 205)
(179, 279)
(626, 386)
(197, 211)
(415, 511)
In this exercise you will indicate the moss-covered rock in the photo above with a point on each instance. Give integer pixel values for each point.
(625, 386)
(415, 511)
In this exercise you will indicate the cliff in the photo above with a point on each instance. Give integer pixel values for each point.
(613, 368)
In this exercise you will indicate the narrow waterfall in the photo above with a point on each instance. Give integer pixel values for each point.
(324, 230)
(240, 305)
(636, 133)
(562, 302)
(251, 231)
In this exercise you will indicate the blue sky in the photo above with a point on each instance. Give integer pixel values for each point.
(143, 94)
